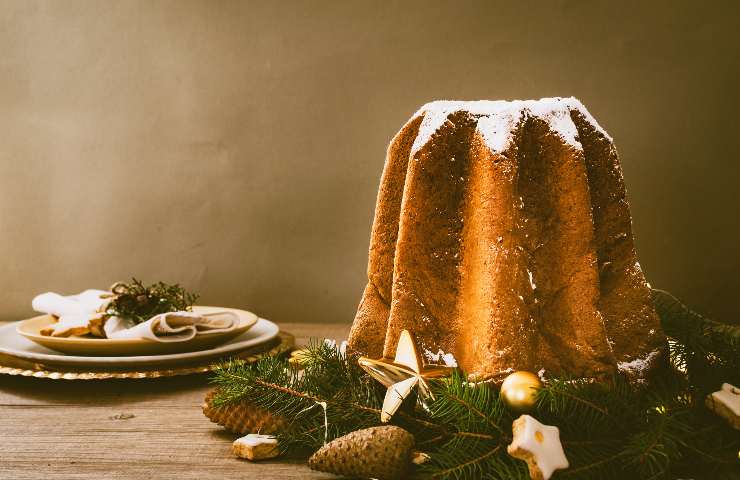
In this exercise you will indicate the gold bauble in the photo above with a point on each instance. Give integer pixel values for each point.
(519, 390)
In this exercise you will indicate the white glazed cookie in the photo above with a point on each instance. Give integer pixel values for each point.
(256, 447)
(538, 445)
(726, 403)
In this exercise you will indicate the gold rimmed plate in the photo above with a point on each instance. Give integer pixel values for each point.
(88, 346)
(10, 365)
(14, 345)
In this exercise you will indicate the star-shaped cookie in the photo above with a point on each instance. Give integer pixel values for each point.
(726, 403)
(538, 445)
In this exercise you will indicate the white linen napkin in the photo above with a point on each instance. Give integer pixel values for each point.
(172, 326)
(79, 315)
(74, 311)
(54, 304)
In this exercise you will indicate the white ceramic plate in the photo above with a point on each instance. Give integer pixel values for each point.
(88, 346)
(11, 343)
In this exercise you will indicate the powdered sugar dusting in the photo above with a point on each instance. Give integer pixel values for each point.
(441, 357)
(637, 367)
(497, 130)
(556, 113)
(575, 105)
(340, 347)
(497, 119)
(433, 119)
(255, 439)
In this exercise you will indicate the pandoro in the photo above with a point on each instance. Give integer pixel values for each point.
(502, 235)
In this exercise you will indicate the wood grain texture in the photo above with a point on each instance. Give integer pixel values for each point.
(132, 429)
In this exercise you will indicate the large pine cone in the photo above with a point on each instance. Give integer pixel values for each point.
(377, 452)
(242, 418)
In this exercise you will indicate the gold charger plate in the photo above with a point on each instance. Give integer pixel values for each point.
(90, 346)
(10, 365)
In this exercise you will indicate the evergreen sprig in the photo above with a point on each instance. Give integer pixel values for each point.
(140, 302)
(330, 397)
(708, 351)
(609, 430)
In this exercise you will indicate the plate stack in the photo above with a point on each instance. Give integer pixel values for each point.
(25, 351)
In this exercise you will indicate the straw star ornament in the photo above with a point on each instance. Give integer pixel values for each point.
(402, 374)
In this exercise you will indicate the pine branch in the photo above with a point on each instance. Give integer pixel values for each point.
(479, 426)
(481, 436)
(140, 302)
(708, 351)
(458, 468)
(584, 407)
(587, 468)
(466, 406)
(651, 452)
(610, 430)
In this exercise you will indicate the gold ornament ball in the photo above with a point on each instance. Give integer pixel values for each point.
(519, 390)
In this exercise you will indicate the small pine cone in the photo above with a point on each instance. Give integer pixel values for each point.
(377, 452)
(242, 418)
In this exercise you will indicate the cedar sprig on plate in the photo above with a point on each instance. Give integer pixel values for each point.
(139, 302)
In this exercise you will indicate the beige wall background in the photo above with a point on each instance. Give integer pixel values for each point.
(236, 147)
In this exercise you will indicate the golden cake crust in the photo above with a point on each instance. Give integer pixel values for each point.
(502, 235)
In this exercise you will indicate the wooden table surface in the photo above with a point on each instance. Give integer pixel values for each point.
(132, 429)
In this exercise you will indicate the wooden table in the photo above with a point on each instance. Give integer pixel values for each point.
(132, 429)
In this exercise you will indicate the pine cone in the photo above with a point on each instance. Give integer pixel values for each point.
(377, 452)
(242, 417)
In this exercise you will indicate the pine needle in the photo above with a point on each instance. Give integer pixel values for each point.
(609, 430)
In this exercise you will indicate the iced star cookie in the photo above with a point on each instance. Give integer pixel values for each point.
(726, 403)
(538, 445)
